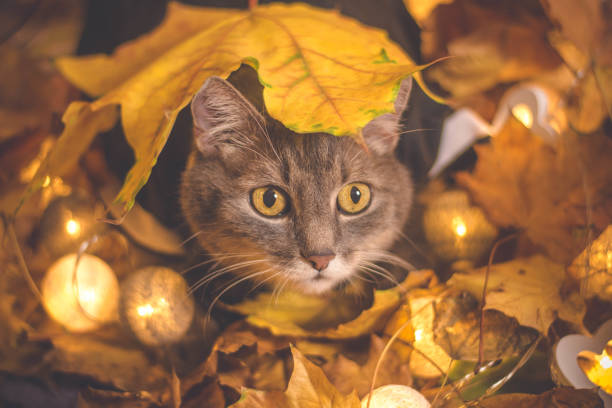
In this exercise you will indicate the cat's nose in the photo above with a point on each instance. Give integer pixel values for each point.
(320, 261)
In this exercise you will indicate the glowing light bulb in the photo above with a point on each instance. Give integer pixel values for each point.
(395, 396)
(459, 226)
(455, 229)
(156, 305)
(81, 299)
(523, 114)
(73, 227)
(145, 310)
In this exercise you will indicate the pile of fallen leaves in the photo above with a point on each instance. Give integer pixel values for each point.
(458, 342)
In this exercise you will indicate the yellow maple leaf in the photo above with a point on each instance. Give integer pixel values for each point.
(528, 289)
(299, 315)
(322, 72)
(293, 314)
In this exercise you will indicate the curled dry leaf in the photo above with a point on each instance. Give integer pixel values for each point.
(457, 330)
(584, 40)
(521, 182)
(585, 23)
(593, 267)
(308, 388)
(557, 397)
(307, 59)
(489, 43)
(118, 365)
(243, 356)
(348, 375)
(528, 289)
(31, 91)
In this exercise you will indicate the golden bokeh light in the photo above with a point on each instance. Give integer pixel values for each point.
(84, 298)
(73, 227)
(523, 114)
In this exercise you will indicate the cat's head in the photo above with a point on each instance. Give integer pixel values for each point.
(313, 211)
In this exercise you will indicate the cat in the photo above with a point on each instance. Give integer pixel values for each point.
(308, 211)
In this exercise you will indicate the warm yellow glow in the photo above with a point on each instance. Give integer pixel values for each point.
(73, 227)
(422, 319)
(87, 296)
(84, 298)
(145, 310)
(459, 226)
(523, 114)
(46, 182)
(605, 362)
(418, 335)
(156, 305)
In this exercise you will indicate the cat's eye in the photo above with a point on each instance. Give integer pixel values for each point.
(354, 198)
(269, 201)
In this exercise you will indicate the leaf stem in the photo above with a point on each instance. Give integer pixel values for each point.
(483, 301)
(12, 237)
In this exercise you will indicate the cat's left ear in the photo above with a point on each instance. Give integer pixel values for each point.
(382, 133)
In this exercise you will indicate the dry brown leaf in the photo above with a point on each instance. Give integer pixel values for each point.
(457, 330)
(126, 368)
(523, 183)
(489, 43)
(31, 91)
(528, 289)
(586, 23)
(593, 267)
(94, 398)
(557, 397)
(308, 388)
(243, 356)
(584, 40)
(348, 375)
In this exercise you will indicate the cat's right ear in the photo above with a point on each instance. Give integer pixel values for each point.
(221, 115)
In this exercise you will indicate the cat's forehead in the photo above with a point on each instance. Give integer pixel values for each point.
(292, 158)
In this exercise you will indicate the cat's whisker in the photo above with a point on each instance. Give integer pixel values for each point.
(418, 130)
(230, 286)
(357, 276)
(260, 121)
(228, 269)
(191, 237)
(277, 291)
(259, 284)
(216, 260)
(379, 273)
(385, 256)
(252, 150)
